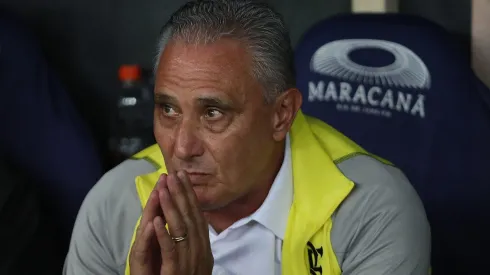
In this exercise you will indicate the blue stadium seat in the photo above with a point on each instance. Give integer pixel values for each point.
(401, 87)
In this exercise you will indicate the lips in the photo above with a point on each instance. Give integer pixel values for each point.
(198, 178)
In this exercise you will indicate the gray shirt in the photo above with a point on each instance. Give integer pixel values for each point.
(380, 228)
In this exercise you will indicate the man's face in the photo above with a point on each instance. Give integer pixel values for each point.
(211, 120)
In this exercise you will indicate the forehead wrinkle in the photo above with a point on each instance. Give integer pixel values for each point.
(231, 51)
(224, 67)
(203, 79)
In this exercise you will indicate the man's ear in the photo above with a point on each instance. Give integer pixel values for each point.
(286, 106)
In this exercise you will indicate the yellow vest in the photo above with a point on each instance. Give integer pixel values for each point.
(319, 188)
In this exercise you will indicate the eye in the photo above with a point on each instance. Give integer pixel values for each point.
(213, 114)
(168, 110)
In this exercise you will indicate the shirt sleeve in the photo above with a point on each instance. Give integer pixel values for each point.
(88, 253)
(105, 223)
(389, 244)
(382, 227)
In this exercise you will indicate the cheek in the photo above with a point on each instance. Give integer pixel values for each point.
(253, 146)
(164, 138)
(232, 154)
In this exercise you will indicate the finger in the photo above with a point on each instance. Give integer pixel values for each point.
(191, 196)
(186, 183)
(172, 216)
(195, 209)
(167, 247)
(151, 210)
(181, 200)
(152, 207)
(201, 224)
(140, 252)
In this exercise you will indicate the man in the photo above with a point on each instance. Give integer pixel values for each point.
(245, 182)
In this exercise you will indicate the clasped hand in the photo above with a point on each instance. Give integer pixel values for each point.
(182, 250)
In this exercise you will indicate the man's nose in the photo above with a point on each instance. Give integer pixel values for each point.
(188, 143)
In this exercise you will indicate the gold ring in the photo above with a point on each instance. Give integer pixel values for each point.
(179, 239)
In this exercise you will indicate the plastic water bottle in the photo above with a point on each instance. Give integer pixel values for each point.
(133, 125)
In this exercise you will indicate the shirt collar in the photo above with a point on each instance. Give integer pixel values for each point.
(274, 212)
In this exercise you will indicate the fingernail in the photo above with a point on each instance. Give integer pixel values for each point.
(181, 174)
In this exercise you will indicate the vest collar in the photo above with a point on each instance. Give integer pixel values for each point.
(319, 186)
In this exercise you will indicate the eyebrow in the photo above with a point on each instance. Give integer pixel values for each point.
(204, 101)
(214, 102)
(164, 98)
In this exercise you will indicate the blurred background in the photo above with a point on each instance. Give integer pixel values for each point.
(87, 41)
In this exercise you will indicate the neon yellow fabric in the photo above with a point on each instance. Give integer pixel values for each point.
(319, 188)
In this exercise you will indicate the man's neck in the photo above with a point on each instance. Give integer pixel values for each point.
(222, 218)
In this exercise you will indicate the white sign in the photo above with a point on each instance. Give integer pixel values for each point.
(380, 89)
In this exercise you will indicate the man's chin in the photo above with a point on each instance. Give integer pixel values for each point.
(208, 206)
(203, 197)
(207, 201)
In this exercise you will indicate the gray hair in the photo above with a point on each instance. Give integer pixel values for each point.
(255, 24)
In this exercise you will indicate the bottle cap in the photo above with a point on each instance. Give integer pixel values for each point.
(129, 72)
